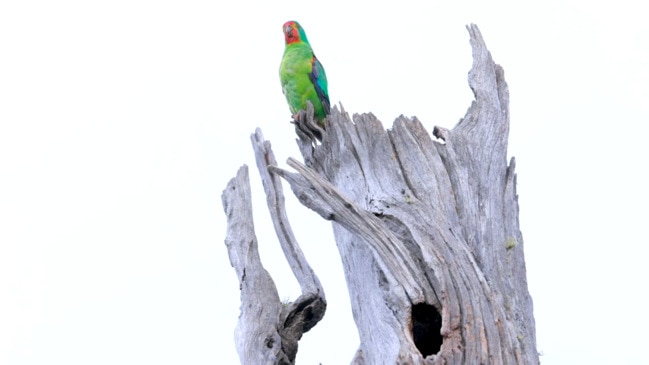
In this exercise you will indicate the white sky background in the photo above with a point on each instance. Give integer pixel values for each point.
(121, 123)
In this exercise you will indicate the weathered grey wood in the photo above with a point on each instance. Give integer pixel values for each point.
(257, 337)
(423, 223)
(308, 309)
(268, 331)
(264, 156)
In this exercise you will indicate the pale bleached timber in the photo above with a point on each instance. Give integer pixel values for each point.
(417, 221)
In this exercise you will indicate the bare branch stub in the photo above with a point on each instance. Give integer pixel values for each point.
(268, 331)
(257, 337)
(308, 309)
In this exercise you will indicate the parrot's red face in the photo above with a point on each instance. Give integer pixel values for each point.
(293, 32)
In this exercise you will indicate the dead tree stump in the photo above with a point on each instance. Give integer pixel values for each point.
(427, 231)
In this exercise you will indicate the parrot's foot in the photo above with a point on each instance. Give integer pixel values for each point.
(306, 127)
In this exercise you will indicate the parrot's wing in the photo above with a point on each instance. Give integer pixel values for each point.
(319, 80)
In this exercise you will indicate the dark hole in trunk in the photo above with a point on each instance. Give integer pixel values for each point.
(426, 326)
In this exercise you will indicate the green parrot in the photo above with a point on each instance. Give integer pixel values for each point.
(302, 75)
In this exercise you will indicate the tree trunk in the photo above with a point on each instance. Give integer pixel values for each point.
(427, 231)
